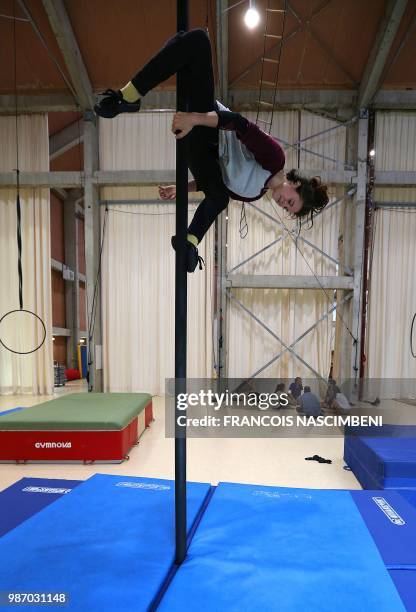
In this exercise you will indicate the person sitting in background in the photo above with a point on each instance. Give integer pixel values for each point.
(309, 403)
(295, 391)
(335, 400)
(341, 403)
(331, 394)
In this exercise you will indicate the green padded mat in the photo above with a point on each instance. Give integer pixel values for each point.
(79, 411)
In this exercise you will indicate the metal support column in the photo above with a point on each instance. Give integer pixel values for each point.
(221, 222)
(342, 356)
(181, 305)
(362, 156)
(222, 301)
(72, 286)
(92, 253)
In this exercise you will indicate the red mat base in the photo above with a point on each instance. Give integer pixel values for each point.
(85, 446)
(148, 414)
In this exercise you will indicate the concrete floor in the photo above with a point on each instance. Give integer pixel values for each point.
(274, 461)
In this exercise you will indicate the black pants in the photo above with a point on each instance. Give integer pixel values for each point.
(191, 53)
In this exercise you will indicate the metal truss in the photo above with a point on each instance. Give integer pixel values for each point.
(297, 145)
(290, 347)
(285, 232)
(228, 275)
(230, 295)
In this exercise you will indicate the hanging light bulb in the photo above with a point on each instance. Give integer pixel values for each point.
(252, 17)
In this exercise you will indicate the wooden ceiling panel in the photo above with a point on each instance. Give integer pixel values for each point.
(70, 160)
(328, 47)
(400, 69)
(58, 121)
(35, 69)
(117, 38)
(319, 52)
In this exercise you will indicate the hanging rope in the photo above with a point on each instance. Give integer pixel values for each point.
(19, 219)
(412, 350)
(91, 322)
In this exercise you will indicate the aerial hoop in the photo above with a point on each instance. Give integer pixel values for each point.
(411, 336)
(4, 345)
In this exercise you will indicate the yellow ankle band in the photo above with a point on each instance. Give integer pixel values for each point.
(193, 239)
(130, 93)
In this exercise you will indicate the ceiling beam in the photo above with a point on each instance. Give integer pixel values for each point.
(401, 178)
(62, 194)
(66, 139)
(271, 281)
(378, 56)
(239, 99)
(294, 98)
(62, 28)
(390, 99)
(42, 179)
(71, 179)
(43, 103)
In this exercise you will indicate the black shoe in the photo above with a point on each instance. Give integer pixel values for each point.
(192, 256)
(113, 104)
(318, 458)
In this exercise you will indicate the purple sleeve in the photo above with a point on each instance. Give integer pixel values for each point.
(266, 150)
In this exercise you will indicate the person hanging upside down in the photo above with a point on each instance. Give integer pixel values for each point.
(228, 155)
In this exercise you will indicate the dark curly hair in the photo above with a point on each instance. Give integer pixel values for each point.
(312, 192)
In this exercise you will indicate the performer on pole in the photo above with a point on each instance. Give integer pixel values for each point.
(228, 155)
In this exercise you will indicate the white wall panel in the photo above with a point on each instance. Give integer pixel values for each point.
(395, 138)
(145, 139)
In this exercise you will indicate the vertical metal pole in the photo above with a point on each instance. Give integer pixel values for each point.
(181, 305)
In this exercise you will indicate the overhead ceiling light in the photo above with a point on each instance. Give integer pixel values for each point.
(252, 17)
(372, 153)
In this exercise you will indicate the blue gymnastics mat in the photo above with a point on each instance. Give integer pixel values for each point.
(386, 459)
(109, 544)
(391, 521)
(28, 496)
(264, 549)
(405, 584)
(410, 495)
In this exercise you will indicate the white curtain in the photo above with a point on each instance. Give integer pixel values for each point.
(392, 302)
(25, 373)
(138, 297)
(392, 299)
(138, 272)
